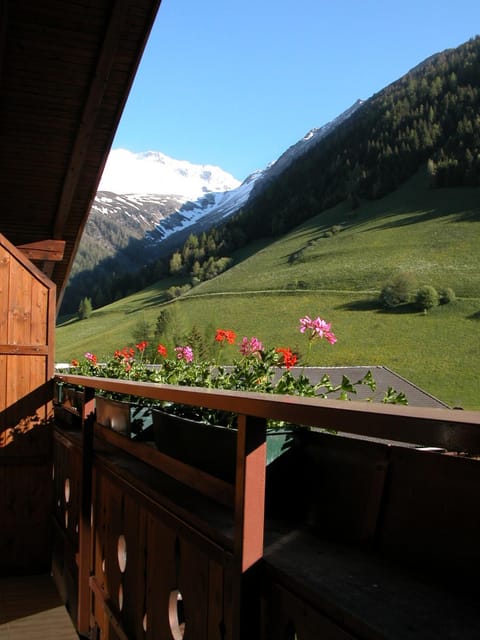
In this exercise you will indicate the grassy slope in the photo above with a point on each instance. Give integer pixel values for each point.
(434, 234)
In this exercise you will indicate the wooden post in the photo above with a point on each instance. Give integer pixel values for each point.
(84, 527)
(249, 519)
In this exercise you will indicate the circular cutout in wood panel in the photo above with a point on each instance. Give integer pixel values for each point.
(176, 615)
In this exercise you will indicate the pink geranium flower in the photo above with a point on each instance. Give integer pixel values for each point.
(92, 357)
(317, 329)
(184, 353)
(249, 347)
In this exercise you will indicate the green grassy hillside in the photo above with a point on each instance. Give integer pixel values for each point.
(318, 269)
(433, 232)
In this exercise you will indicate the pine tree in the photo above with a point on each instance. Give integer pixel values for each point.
(85, 308)
(176, 263)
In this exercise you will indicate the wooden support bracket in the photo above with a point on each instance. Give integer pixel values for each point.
(44, 250)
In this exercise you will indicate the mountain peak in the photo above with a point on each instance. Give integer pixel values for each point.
(153, 172)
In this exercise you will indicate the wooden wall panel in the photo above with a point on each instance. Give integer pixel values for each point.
(27, 316)
(39, 322)
(20, 305)
(25, 411)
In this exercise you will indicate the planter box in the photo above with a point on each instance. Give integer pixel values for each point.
(123, 417)
(69, 397)
(113, 414)
(210, 448)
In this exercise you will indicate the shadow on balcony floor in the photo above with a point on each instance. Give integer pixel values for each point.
(31, 609)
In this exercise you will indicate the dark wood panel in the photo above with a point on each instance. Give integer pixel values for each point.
(431, 514)
(25, 497)
(291, 617)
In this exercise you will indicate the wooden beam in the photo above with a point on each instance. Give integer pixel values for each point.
(24, 350)
(47, 250)
(84, 136)
(3, 33)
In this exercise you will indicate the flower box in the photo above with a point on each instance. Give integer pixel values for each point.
(123, 417)
(211, 448)
(70, 398)
(113, 414)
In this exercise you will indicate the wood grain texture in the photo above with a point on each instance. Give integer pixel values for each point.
(26, 364)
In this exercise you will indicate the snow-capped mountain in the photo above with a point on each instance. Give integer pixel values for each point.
(158, 201)
(153, 172)
(140, 193)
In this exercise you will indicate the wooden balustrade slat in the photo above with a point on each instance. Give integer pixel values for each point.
(108, 608)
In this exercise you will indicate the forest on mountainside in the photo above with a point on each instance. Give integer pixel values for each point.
(429, 118)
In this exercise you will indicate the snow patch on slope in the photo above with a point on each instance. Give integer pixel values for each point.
(209, 209)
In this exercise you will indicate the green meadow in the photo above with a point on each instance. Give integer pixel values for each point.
(334, 266)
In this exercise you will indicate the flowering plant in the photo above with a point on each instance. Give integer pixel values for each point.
(261, 369)
(128, 363)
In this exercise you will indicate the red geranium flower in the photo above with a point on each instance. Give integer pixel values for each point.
(227, 335)
(289, 358)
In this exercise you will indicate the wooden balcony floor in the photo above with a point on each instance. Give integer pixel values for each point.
(31, 609)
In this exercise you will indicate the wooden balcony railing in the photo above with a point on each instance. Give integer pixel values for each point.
(331, 541)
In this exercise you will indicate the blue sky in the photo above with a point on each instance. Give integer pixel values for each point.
(234, 84)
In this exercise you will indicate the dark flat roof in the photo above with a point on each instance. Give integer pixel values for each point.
(384, 378)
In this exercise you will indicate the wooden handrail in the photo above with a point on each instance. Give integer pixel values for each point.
(451, 429)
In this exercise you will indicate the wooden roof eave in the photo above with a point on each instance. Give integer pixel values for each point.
(61, 98)
(85, 131)
(87, 125)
